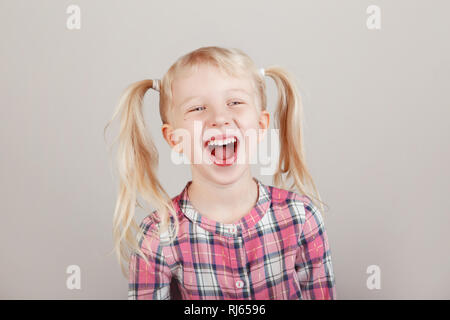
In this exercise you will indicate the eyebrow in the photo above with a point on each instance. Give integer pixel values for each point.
(226, 91)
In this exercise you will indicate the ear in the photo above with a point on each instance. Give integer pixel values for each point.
(264, 121)
(168, 134)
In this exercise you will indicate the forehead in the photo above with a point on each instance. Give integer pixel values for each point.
(206, 80)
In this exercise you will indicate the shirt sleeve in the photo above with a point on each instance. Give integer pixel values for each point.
(313, 261)
(149, 281)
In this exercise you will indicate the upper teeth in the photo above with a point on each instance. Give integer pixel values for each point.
(221, 142)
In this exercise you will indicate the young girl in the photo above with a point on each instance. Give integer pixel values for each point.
(226, 235)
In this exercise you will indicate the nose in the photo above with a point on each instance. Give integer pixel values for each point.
(220, 116)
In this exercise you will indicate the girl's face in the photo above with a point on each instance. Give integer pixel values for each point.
(211, 106)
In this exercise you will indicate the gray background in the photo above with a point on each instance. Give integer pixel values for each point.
(377, 130)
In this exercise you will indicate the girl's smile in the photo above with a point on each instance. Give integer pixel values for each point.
(221, 150)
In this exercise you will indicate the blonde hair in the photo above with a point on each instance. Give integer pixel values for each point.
(137, 156)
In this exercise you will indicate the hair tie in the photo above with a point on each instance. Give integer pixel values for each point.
(155, 85)
(261, 70)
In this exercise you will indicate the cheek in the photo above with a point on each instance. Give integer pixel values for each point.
(248, 124)
(190, 142)
(247, 117)
(250, 133)
(183, 137)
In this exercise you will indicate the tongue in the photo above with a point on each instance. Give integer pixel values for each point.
(224, 152)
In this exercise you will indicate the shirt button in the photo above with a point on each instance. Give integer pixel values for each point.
(232, 229)
(239, 284)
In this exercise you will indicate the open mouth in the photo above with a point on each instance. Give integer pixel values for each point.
(223, 152)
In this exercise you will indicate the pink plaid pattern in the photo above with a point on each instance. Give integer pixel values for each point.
(278, 251)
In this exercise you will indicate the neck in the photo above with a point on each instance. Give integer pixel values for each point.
(226, 203)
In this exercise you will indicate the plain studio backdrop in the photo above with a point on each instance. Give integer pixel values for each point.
(376, 104)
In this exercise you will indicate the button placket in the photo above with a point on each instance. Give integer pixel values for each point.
(232, 229)
(241, 277)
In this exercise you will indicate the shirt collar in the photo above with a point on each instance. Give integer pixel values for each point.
(226, 229)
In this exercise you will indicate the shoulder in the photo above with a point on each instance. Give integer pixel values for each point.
(148, 237)
(152, 226)
(152, 221)
(300, 206)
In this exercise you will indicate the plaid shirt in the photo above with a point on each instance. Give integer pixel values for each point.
(278, 251)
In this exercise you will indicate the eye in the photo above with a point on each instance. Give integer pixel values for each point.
(195, 109)
(237, 102)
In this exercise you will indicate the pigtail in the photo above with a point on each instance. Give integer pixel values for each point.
(137, 160)
(289, 120)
